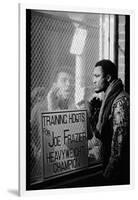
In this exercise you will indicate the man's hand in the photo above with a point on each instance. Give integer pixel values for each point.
(52, 97)
(94, 148)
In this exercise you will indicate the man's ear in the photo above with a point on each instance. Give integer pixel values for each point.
(108, 78)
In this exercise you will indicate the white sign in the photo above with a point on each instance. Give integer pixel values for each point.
(65, 146)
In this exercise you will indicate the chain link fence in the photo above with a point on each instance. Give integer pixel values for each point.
(51, 39)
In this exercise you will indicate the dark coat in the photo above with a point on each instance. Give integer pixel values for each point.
(115, 142)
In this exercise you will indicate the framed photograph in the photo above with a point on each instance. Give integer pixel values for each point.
(74, 98)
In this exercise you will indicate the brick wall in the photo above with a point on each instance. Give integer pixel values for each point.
(121, 47)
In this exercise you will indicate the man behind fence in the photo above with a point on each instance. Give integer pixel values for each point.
(60, 95)
(58, 98)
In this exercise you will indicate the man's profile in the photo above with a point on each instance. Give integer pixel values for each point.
(112, 128)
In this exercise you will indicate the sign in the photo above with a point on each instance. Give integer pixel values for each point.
(65, 146)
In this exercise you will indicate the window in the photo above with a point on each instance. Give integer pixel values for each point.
(62, 49)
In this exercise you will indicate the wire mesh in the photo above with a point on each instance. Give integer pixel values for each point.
(51, 39)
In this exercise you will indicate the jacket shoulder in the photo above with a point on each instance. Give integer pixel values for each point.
(122, 98)
(121, 101)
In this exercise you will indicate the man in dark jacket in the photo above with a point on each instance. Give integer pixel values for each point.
(113, 123)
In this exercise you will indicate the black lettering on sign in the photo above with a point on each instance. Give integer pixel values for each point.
(66, 165)
(56, 140)
(74, 137)
(62, 154)
(50, 120)
(76, 117)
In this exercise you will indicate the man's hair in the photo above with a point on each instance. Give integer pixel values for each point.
(108, 67)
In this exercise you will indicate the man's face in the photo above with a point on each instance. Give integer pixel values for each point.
(64, 84)
(99, 80)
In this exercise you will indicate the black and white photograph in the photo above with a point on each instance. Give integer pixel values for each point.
(77, 69)
(69, 100)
